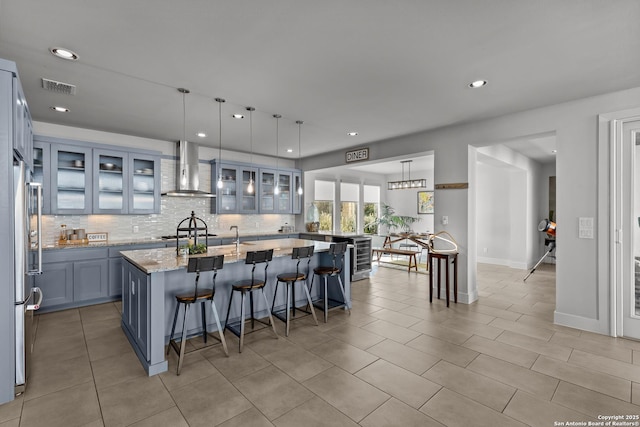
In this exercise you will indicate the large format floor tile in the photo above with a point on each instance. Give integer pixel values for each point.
(395, 360)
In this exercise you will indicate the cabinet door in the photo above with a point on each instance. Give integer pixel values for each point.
(297, 196)
(42, 172)
(90, 279)
(267, 186)
(116, 277)
(248, 200)
(109, 172)
(284, 202)
(56, 282)
(21, 124)
(228, 194)
(144, 184)
(125, 272)
(70, 180)
(142, 336)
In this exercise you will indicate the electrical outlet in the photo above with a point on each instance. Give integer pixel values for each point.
(485, 250)
(445, 220)
(257, 224)
(136, 229)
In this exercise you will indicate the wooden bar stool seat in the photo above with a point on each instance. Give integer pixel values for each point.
(197, 265)
(290, 279)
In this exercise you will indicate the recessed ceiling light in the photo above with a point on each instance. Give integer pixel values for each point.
(201, 134)
(238, 116)
(352, 133)
(554, 151)
(478, 83)
(63, 53)
(60, 109)
(289, 150)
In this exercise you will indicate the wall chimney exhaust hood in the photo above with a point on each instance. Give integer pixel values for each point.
(187, 173)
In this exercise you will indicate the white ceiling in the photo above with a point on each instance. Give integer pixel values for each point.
(382, 68)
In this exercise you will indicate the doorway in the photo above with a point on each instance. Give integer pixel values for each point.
(626, 226)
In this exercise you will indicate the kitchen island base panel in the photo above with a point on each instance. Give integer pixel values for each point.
(150, 311)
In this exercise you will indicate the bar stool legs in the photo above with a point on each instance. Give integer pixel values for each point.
(243, 320)
(290, 302)
(325, 302)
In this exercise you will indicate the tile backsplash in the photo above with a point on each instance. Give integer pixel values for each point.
(172, 211)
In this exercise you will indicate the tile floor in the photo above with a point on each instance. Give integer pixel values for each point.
(396, 361)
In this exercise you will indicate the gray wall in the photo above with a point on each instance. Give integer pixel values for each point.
(582, 295)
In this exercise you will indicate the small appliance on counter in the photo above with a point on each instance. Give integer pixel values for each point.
(286, 228)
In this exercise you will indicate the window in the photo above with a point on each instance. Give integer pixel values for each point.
(371, 208)
(349, 196)
(325, 196)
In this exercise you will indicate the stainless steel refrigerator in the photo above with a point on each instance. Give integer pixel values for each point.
(27, 256)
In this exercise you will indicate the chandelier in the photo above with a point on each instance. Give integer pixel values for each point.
(406, 184)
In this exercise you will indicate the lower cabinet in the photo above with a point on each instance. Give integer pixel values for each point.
(73, 277)
(135, 302)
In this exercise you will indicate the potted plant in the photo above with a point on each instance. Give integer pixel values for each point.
(389, 219)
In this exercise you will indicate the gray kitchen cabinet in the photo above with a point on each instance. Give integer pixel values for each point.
(87, 178)
(56, 282)
(42, 172)
(234, 196)
(21, 120)
(90, 279)
(116, 278)
(110, 172)
(71, 180)
(135, 302)
(73, 277)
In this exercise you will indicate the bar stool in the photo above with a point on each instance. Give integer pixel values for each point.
(249, 286)
(443, 257)
(290, 279)
(197, 265)
(336, 251)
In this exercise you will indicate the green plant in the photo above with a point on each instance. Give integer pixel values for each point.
(389, 219)
(199, 248)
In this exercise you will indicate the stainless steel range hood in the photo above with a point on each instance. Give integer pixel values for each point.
(187, 173)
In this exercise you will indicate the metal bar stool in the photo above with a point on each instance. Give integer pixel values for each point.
(197, 265)
(336, 251)
(290, 279)
(249, 286)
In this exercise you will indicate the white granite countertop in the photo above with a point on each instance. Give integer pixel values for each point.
(166, 259)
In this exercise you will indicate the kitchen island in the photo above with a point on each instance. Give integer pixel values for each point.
(151, 279)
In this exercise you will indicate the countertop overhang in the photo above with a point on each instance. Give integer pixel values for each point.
(166, 259)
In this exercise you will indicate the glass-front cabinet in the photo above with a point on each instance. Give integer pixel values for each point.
(42, 172)
(234, 196)
(144, 184)
(77, 179)
(297, 197)
(275, 198)
(71, 179)
(109, 172)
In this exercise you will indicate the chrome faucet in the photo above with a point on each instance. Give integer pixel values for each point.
(237, 241)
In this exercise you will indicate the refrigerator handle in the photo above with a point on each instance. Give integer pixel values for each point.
(37, 187)
(36, 306)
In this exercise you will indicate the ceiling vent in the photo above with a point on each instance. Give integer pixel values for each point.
(58, 87)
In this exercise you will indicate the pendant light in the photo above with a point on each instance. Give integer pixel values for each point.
(299, 123)
(405, 184)
(250, 187)
(220, 101)
(276, 189)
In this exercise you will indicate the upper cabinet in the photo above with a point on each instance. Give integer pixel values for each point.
(235, 197)
(14, 111)
(144, 183)
(71, 180)
(96, 180)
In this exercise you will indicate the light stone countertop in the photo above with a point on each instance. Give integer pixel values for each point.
(166, 259)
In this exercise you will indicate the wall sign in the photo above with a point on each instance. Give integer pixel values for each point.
(97, 237)
(357, 155)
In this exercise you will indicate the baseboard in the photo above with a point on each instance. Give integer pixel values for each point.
(494, 261)
(579, 322)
